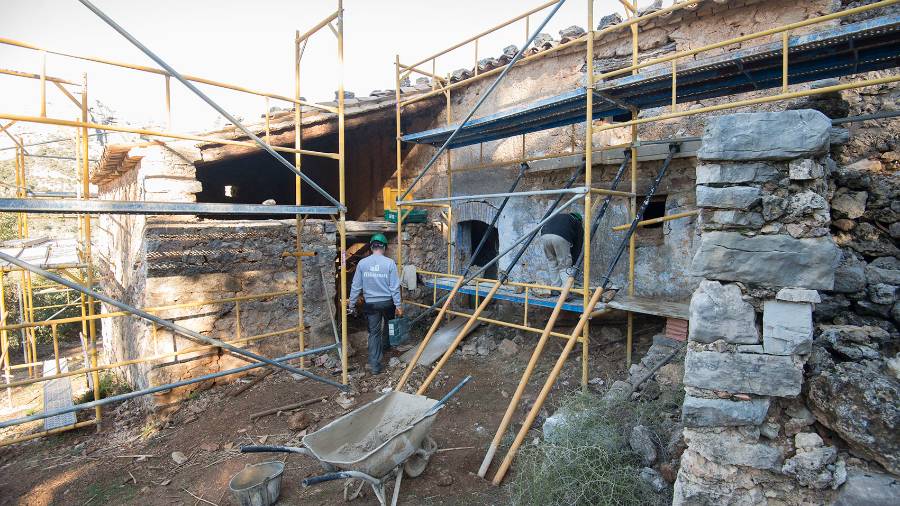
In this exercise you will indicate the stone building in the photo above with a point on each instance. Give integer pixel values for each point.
(791, 268)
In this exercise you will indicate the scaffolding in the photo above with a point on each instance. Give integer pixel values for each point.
(76, 275)
(616, 97)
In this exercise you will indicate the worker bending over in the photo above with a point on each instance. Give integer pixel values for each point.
(377, 280)
(562, 237)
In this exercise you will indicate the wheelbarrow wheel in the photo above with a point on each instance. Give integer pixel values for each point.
(353, 489)
(415, 465)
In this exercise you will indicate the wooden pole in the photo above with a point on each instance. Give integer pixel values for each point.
(545, 391)
(434, 326)
(526, 376)
(459, 337)
(287, 407)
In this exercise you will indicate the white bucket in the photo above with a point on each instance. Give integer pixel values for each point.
(258, 484)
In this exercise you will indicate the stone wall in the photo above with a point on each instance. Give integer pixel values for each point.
(213, 260)
(766, 249)
(663, 259)
(157, 261)
(160, 174)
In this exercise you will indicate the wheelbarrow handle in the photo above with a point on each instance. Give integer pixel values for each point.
(315, 480)
(265, 449)
(439, 404)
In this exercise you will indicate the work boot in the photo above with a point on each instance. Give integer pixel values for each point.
(375, 371)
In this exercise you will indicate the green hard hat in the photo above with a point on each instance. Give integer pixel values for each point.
(578, 216)
(379, 238)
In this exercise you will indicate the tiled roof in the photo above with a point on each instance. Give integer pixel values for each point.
(353, 106)
(114, 162)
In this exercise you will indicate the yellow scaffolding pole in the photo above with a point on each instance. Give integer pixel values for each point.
(298, 191)
(342, 197)
(81, 125)
(589, 183)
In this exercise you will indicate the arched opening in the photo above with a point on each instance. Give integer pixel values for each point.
(469, 235)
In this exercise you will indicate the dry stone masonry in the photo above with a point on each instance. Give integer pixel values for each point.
(765, 251)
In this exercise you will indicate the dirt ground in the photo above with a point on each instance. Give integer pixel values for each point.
(130, 459)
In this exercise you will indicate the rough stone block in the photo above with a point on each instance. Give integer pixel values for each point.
(773, 260)
(766, 136)
(777, 376)
(732, 197)
(787, 327)
(805, 169)
(849, 204)
(171, 185)
(700, 412)
(734, 218)
(882, 293)
(839, 136)
(738, 447)
(808, 467)
(719, 312)
(798, 295)
(870, 488)
(732, 173)
(850, 275)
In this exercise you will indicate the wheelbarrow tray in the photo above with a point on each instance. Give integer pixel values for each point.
(377, 437)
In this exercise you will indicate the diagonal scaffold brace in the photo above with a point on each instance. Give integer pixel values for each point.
(526, 241)
(446, 299)
(159, 388)
(189, 85)
(190, 334)
(548, 328)
(481, 100)
(582, 321)
(523, 167)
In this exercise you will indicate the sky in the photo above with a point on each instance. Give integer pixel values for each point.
(248, 44)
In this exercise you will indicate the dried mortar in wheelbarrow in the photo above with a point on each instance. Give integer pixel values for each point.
(377, 437)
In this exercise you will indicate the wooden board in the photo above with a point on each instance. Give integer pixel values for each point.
(643, 305)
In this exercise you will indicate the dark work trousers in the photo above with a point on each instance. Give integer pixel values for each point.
(377, 316)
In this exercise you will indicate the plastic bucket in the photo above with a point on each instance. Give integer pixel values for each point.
(257, 484)
(398, 331)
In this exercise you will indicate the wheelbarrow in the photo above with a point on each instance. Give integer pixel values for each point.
(373, 442)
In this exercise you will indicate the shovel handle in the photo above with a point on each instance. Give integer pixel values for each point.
(439, 404)
(266, 449)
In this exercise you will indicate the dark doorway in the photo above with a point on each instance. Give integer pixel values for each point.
(470, 235)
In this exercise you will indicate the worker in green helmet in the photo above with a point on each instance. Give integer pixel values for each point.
(377, 280)
(562, 237)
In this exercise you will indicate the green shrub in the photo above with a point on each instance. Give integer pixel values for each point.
(110, 385)
(588, 460)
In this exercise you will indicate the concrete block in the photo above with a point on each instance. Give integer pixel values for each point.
(787, 327)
